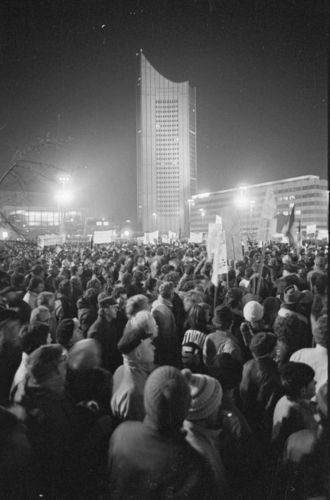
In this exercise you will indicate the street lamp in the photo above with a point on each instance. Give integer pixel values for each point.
(64, 197)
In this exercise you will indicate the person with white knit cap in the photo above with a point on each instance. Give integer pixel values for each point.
(202, 424)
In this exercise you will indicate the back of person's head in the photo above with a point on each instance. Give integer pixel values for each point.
(253, 311)
(288, 330)
(206, 396)
(295, 377)
(197, 317)
(227, 370)
(144, 320)
(320, 282)
(167, 398)
(84, 355)
(135, 333)
(64, 332)
(33, 336)
(34, 283)
(271, 307)
(43, 363)
(64, 287)
(40, 314)
(321, 331)
(135, 304)
(166, 290)
(17, 280)
(46, 299)
(222, 317)
(192, 297)
(263, 344)
(172, 276)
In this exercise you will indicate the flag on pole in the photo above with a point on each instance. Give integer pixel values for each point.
(289, 230)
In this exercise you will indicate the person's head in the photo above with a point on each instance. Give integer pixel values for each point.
(94, 283)
(167, 399)
(319, 282)
(40, 314)
(192, 297)
(108, 306)
(298, 381)
(65, 287)
(289, 338)
(47, 366)
(66, 332)
(321, 331)
(198, 317)
(36, 285)
(227, 370)
(271, 307)
(222, 318)
(253, 311)
(120, 295)
(192, 355)
(33, 336)
(46, 299)
(10, 325)
(84, 355)
(166, 290)
(262, 345)
(206, 397)
(138, 337)
(135, 304)
(234, 297)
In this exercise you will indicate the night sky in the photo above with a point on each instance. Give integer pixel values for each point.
(68, 73)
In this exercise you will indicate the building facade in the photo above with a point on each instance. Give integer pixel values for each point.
(308, 193)
(166, 150)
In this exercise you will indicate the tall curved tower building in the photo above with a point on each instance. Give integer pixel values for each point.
(166, 150)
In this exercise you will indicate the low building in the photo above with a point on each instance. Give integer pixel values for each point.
(308, 193)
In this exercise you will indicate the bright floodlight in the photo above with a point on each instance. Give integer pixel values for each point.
(242, 200)
(64, 196)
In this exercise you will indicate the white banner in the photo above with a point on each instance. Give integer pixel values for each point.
(311, 229)
(172, 236)
(196, 238)
(151, 237)
(100, 237)
(213, 232)
(220, 258)
(231, 225)
(46, 240)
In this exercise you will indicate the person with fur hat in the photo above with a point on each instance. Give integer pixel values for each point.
(202, 424)
(260, 388)
(107, 332)
(222, 340)
(152, 459)
(138, 351)
(316, 357)
(167, 346)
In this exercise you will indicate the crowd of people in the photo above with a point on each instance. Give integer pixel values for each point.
(125, 373)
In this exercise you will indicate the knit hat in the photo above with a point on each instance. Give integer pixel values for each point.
(253, 311)
(132, 337)
(166, 397)
(320, 331)
(206, 395)
(84, 355)
(43, 361)
(262, 344)
(292, 295)
(103, 299)
(195, 337)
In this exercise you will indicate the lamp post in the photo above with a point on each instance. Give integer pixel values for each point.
(64, 197)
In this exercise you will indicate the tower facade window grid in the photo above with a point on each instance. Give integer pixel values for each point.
(166, 150)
